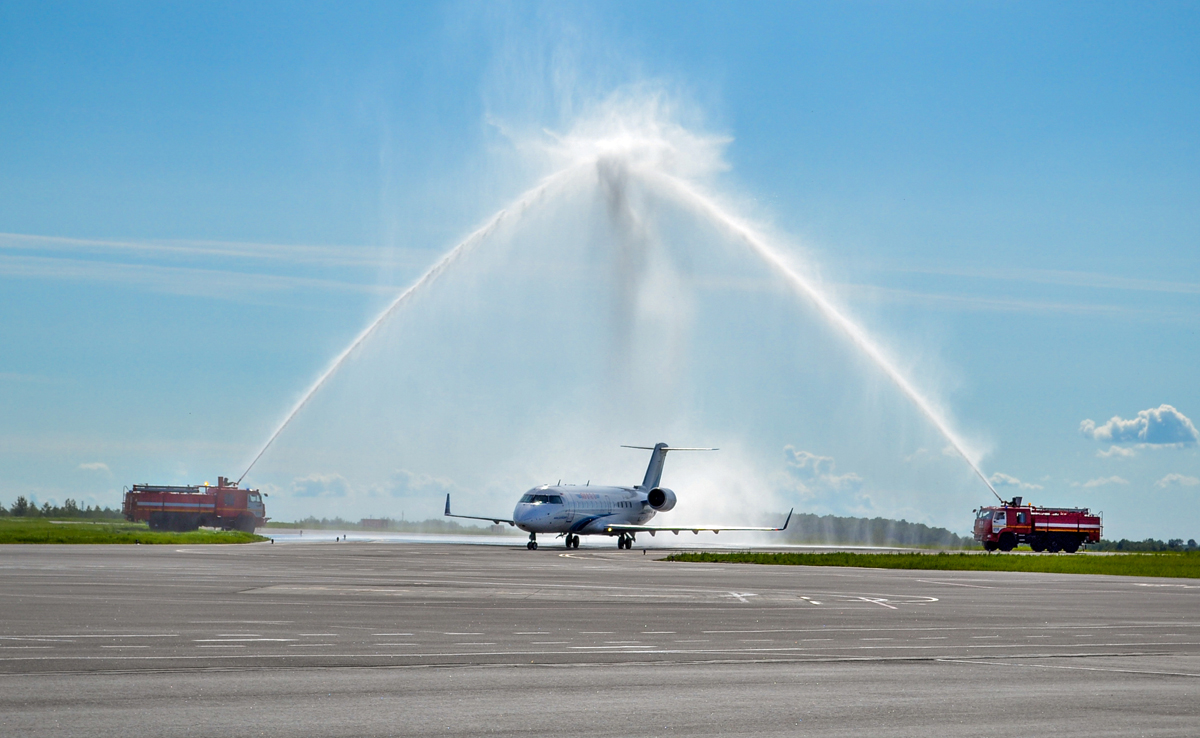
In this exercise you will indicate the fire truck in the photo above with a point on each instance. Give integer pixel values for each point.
(1050, 529)
(224, 506)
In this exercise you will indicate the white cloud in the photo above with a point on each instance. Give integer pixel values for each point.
(817, 471)
(1119, 452)
(1160, 426)
(321, 485)
(1105, 481)
(1004, 480)
(809, 465)
(403, 482)
(1177, 480)
(96, 466)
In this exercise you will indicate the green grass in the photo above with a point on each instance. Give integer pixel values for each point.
(40, 530)
(1129, 565)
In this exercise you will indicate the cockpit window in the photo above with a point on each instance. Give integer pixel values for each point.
(532, 499)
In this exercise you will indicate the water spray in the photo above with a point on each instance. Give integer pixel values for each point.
(759, 246)
(520, 206)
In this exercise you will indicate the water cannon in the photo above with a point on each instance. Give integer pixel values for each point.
(1016, 502)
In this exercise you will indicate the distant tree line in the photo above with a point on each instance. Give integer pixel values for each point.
(1150, 544)
(832, 529)
(26, 508)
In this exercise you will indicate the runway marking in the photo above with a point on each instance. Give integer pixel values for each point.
(741, 596)
(226, 645)
(25, 647)
(547, 643)
(335, 635)
(809, 600)
(955, 584)
(124, 647)
(235, 635)
(1079, 668)
(89, 635)
(525, 633)
(1181, 586)
(878, 601)
(397, 644)
(256, 640)
(389, 635)
(308, 645)
(462, 634)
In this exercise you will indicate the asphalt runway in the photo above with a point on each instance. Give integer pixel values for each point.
(361, 639)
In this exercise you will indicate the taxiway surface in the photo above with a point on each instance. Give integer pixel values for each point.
(358, 639)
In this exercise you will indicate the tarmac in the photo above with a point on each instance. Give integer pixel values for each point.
(327, 638)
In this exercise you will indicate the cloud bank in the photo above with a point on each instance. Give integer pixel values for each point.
(1177, 480)
(1160, 426)
(1004, 480)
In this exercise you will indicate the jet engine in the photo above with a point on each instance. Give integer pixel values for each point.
(661, 499)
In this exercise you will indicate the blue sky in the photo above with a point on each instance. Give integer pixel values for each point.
(202, 205)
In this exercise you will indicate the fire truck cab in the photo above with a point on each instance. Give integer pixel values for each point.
(1050, 529)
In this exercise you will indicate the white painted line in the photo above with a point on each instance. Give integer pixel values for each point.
(124, 647)
(330, 635)
(390, 635)
(547, 643)
(397, 644)
(228, 645)
(882, 602)
(741, 596)
(308, 645)
(257, 640)
(462, 634)
(1079, 668)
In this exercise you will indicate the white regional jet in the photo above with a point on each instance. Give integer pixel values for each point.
(572, 511)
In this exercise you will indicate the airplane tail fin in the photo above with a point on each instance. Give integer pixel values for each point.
(657, 459)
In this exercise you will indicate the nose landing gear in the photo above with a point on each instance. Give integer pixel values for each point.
(532, 545)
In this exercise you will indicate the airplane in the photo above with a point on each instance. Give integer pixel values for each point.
(572, 511)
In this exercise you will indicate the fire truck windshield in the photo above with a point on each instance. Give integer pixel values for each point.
(253, 497)
(985, 514)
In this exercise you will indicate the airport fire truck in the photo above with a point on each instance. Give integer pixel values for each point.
(224, 506)
(1050, 529)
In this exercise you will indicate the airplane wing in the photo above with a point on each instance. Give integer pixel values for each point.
(497, 521)
(652, 529)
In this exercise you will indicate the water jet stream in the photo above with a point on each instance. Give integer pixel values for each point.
(517, 208)
(759, 246)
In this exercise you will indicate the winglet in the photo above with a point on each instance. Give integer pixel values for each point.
(785, 522)
(447, 503)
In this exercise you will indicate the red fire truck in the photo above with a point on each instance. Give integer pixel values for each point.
(187, 508)
(1050, 529)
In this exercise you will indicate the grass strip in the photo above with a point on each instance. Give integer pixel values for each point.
(40, 530)
(1182, 565)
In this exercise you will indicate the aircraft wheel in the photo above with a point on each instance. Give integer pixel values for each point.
(533, 545)
(575, 542)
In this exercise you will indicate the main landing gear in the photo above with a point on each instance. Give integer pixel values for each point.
(572, 540)
(624, 541)
(532, 545)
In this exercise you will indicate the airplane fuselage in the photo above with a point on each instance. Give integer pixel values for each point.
(581, 510)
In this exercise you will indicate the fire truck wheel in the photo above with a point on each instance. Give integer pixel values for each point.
(1007, 542)
(1055, 545)
(1037, 543)
(989, 546)
(1071, 545)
